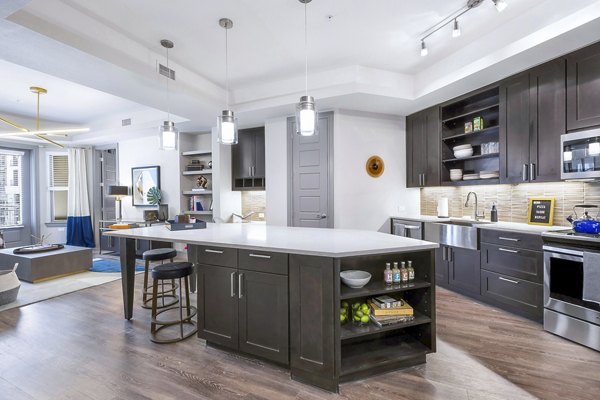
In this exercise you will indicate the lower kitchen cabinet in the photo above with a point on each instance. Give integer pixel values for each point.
(263, 315)
(513, 294)
(218, 305)
(458, 268)
(244, 309)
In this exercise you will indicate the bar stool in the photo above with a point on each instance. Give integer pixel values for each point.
(176, 270)
(161, 255)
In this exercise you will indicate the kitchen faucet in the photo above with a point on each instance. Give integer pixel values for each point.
(244, 217)
(476, 214)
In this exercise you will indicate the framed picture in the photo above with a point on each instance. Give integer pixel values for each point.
(142, 179)
(540, 211)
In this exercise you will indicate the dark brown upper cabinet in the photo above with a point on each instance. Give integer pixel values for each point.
(423, 148)
(248, 160)
(532, 110)
(583, 88)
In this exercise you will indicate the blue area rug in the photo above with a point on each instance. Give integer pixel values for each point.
(108, 265)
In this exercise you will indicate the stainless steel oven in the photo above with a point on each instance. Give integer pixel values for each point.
(580, 155)
(565, 312)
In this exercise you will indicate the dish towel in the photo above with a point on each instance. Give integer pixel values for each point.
(399, 229)
(591, 277)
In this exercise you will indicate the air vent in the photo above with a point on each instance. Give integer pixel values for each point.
(126, 122)
(164, 71)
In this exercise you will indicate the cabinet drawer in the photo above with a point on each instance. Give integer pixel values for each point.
(513, 239)
(264, 261)
(513, 261)
(520, 296)
(214, 255)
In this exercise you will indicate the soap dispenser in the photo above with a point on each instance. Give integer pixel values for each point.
(494, 213)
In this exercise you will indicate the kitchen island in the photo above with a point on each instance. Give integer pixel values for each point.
(275, 293)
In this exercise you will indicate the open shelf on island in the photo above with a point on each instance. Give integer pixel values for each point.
(375, 288)
(199, 172)
(379, 353)
(349, 330)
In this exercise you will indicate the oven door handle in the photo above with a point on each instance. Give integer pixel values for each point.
(562, 253)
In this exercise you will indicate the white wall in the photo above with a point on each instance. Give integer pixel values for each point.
(360, 201)
(143, 152)
(276, 171)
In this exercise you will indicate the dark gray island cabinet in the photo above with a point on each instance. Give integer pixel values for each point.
(275, 293)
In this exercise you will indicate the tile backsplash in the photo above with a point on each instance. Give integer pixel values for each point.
(512, 200)
(254, 200)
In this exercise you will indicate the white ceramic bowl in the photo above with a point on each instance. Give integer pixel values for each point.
(457, 171)
(463, 153)
(462, 147)
(355, 278)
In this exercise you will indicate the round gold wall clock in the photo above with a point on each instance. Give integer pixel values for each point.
(375, 166)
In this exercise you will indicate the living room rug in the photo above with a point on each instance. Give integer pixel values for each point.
(110, 265)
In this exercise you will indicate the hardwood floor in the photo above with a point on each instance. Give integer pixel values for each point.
(78, 346)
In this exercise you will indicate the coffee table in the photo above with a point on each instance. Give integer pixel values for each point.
(38, 267)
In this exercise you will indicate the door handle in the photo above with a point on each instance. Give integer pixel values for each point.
(249, 171)
(423, 180)
(233, 284)
(509, 239)
(532, 172)
(260, 256)
(525, 168)
(450, 255)
(507, 280)
(508, 251)
(444, 253)
(240, 278)
(213, 251)
(321, 216)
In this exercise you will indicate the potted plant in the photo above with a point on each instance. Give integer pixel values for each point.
(154, 197)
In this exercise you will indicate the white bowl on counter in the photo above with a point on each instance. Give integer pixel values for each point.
(355, 278)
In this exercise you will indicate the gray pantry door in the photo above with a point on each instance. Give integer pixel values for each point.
(311, 175)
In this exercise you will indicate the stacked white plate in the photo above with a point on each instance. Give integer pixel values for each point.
(470, 177)
(463, 151)
(456, 174)
(489, 174)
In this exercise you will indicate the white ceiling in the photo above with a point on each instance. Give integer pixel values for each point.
(362, 55)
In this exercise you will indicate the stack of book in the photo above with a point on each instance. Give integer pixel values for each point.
(386, 310)
(196, 203)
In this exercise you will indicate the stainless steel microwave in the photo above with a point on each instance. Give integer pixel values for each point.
(580, 156)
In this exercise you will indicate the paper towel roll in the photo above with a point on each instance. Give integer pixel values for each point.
(442, 207)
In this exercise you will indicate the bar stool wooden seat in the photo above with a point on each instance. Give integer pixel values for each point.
(169, 292)
(170, 271)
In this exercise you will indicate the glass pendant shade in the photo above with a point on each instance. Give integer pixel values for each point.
(227, 124)
(168, 136)
(306, 117)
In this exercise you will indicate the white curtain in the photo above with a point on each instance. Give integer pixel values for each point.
(79, 220)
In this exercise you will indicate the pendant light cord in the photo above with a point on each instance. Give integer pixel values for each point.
(168, 95)
(226, 71)
(305, 51)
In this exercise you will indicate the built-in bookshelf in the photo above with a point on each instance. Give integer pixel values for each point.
(196, 175)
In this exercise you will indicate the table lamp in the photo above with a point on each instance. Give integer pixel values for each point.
(118, 191)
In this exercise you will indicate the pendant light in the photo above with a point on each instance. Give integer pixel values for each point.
(167, 132)
(227, 123)
(306, 112)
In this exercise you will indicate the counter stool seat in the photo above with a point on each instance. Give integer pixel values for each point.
(168, 293)
(170, 271)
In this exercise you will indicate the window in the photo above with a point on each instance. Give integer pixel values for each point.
(58, 186)
(11, 191)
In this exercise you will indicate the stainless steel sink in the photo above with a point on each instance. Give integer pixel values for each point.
(457, 233)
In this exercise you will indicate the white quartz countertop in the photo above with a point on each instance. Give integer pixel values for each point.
(502, 226)
(307, 241)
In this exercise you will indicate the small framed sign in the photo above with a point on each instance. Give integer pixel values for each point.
(540, 211)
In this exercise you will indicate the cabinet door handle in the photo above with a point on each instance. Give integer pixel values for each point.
(260, 256)
(213, 251)
(450, 255)
(525, 168)
(509, 239)
(532, 172)
(444, 254)
(508, 250)
(233, 284)
(507, 280)
(240, 278)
